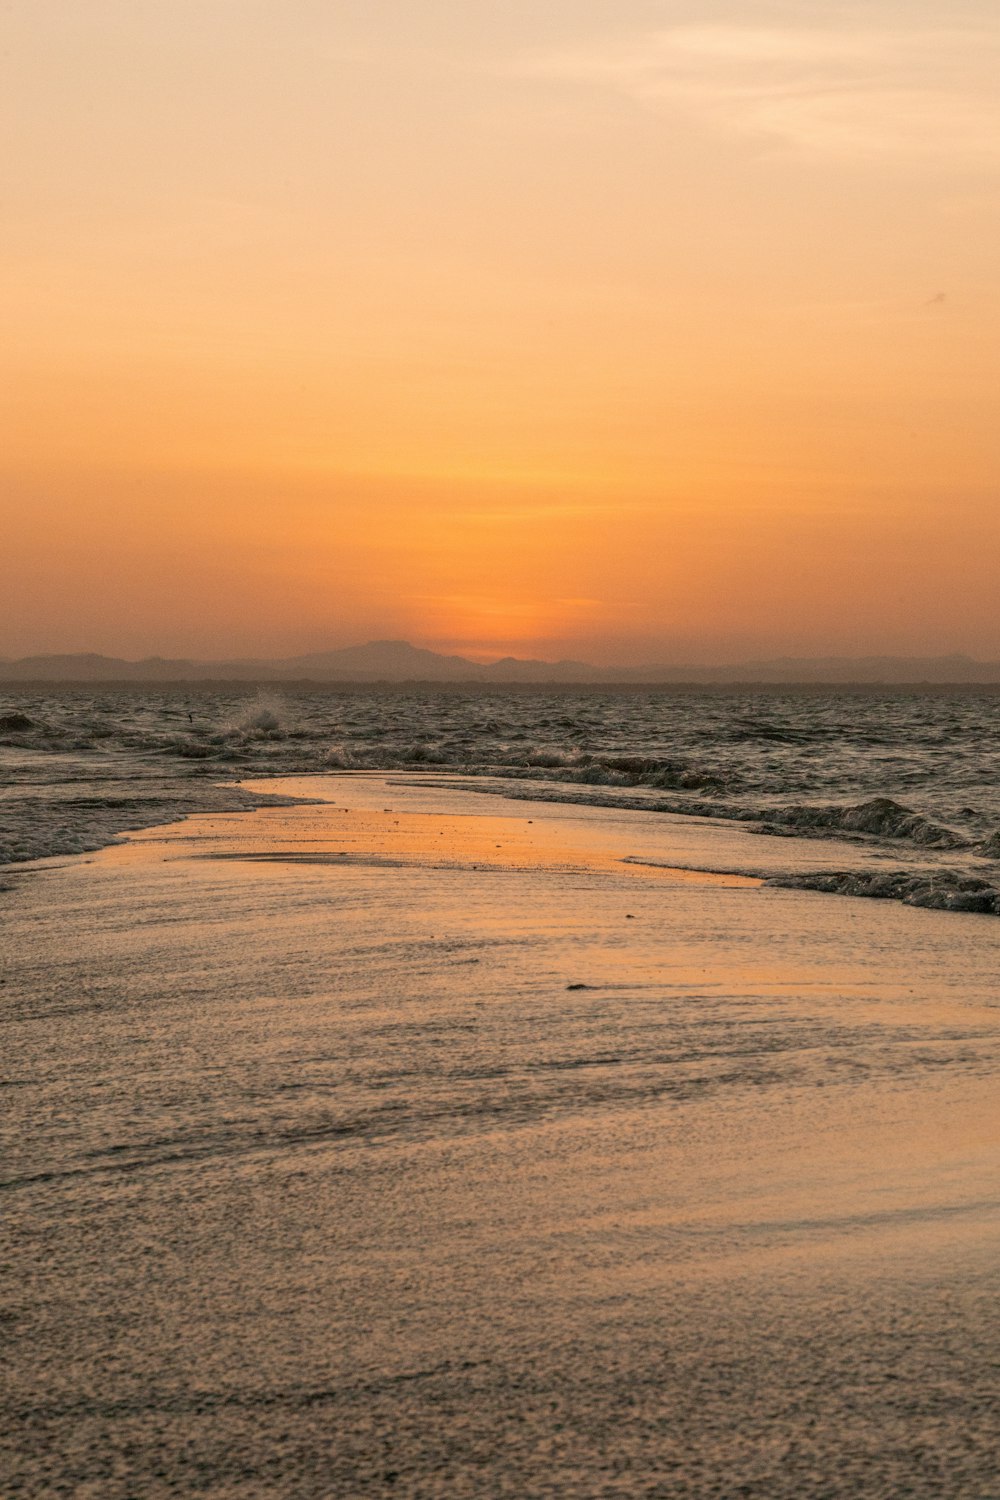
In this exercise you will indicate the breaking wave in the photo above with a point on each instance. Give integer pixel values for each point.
(943, 890)
(881, 817)
(265, 718)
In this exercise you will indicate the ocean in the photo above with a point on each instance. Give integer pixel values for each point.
(910, 771)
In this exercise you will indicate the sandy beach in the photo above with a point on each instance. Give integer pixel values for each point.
(423, 1142)
(499, 726)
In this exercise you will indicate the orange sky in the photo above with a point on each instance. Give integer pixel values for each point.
(627, 331)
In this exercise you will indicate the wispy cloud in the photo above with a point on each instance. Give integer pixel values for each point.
(911, 91)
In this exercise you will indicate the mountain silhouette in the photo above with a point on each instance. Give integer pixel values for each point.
(399, 661)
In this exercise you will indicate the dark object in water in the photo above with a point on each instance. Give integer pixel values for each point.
(578, 986)
(14, 723)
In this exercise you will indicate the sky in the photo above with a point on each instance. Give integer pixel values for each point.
(653, 330)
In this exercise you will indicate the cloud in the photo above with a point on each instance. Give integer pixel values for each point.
(905, 91)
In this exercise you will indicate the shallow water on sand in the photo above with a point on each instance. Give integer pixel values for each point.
(905, 771)
(423, 1143)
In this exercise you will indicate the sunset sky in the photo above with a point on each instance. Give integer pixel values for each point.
(629, 330)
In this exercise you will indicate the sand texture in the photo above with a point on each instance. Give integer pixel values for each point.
(429, 1144)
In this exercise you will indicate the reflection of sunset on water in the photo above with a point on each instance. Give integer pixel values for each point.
(422, 1101)
(499, 692)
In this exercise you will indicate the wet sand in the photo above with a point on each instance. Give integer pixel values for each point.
(430, 1144)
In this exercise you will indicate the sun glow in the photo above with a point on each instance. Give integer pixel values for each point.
(541, 334)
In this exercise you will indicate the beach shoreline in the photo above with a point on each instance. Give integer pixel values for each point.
(349, 1152)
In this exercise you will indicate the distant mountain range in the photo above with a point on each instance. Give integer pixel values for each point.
(398, 661)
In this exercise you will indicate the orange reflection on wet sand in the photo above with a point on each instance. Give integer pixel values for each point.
(430, 1139)
(308, 835)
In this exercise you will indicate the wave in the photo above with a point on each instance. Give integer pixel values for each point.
(781, 734)
(266, 717)
(879, 816)
(15, 723)
(942, 890)
(574, 767)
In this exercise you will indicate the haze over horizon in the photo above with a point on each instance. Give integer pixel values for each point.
(646, 331)
(395, 661)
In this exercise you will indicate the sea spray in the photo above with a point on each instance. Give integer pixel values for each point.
(265, 717)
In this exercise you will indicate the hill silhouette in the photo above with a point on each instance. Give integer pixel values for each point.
(399, 661)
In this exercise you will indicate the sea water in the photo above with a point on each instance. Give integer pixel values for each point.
(910, 770)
